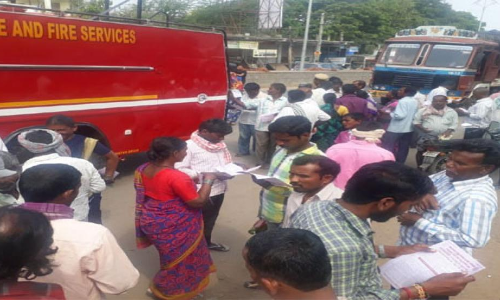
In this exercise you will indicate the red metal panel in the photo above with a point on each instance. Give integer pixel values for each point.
(186, 64)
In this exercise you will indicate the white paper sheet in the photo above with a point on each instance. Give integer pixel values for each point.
(418, 267)
(272, 180)
(231, 170)
(268, 118)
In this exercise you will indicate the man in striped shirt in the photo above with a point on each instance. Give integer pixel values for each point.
(292, 135)
(466, 199)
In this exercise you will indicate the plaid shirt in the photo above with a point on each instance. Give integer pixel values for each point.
(349, 242)
(266, 106)
(466, 211)
(273, 199)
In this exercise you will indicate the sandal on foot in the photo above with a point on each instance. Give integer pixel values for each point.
(251, 285)
(218, 247)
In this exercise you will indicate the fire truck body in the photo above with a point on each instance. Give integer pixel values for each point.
(124, 84)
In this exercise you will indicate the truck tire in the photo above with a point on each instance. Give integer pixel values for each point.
(438, 165)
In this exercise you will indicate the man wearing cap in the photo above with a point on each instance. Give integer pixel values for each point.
(48, 148)
(319, 91)
(10, 169)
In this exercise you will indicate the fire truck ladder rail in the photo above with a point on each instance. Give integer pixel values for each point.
(73, 68)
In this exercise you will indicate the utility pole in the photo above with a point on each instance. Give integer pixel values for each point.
(139, 9)
(290, 48)
(485, 5)
(317, 53)
(306, 36)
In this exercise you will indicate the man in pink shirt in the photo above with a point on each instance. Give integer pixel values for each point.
(351, 156)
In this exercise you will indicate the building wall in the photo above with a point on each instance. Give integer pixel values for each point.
(56, 4)
(293, 78)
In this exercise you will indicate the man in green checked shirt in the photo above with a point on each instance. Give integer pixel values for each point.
(379, 192)
(292, 134)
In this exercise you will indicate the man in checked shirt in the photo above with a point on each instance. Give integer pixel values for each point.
(466, 199)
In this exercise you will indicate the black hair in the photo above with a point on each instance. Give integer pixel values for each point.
(326, 85)
(448, 83)
(362, 94)
(280, 87)
(369, 126)
(162, 147)
(326, 165)
(336, 80)
(39, 136)
(61, 120)
(216, 126)
(25, 244)
(251, 86)
(295, 96)
(306, 85)
(296, 257)
(361, 82)
(376, 181)
(349, 89)
(355, 116)
(292, 125)
(44, 183)
(330, 98)
(410, 91)
(490, 149)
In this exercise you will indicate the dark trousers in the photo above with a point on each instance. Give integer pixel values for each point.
(474, 133)
(210, 213)
(402, 141)
(95, 208)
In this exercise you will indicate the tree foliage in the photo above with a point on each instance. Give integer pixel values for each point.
(370, 22)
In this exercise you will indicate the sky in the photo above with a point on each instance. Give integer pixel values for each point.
(491, 15)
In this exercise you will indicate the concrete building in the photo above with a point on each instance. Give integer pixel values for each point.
(49, 4)
(277, 50)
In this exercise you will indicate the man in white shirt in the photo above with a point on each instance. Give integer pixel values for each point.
(267, 108)
(441, 90)
(300, 106)
(47, 145)
(248, 117)
(206, 151)
(337, 86)
(319, 91)
(479, 115)
(311, 177)
(3, 147)
(89, 262)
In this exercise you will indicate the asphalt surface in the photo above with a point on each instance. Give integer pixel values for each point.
(237, 215)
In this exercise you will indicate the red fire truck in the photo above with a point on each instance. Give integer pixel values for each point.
(123, 83)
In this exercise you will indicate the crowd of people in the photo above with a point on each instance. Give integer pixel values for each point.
(337, 158)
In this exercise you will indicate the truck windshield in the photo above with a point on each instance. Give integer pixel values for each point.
(400, 54)
(449, 56)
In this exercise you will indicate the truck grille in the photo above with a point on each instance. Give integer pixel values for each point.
(418, 80)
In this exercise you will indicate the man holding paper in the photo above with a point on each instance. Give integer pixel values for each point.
(267, 108)
(466, 199)
(379, 192)
(206, 151)
(292, 135)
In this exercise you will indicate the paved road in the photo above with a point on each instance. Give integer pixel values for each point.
(237, 215)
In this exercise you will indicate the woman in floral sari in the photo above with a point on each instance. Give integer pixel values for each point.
(168, 216)
(328, 131)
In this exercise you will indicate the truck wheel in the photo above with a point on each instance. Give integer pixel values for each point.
(438, 165)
